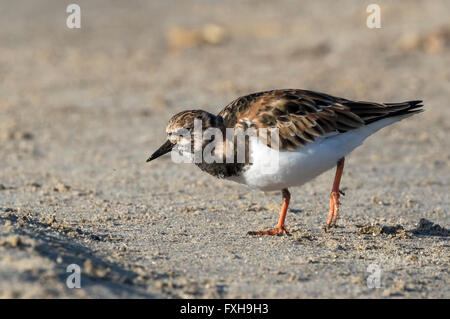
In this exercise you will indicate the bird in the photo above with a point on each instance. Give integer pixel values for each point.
(314, 133)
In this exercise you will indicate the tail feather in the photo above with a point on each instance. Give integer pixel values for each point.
(371, 112)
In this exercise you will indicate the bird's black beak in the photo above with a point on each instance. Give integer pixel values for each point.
(163, 149)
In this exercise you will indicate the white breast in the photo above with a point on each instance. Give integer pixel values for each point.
(273, 170)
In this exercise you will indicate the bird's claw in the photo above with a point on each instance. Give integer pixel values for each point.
(277, 231)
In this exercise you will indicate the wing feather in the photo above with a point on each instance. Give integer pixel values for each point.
(303, 116)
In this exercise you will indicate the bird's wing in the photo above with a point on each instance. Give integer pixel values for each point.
(302, 116)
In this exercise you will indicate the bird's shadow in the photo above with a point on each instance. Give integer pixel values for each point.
(427, 228)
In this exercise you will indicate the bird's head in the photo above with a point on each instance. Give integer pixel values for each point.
(180, 130)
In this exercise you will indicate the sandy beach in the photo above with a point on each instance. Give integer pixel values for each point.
(82, 109)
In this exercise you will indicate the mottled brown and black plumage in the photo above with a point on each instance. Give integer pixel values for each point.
(301, 116)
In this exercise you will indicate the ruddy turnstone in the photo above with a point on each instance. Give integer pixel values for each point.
(315, 132)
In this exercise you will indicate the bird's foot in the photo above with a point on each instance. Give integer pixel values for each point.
(327, 227)
(277, 231)
(334, 209)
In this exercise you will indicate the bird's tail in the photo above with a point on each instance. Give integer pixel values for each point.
(372, 112)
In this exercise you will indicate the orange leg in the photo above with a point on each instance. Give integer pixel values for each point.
(280, 228)
(334, 196)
